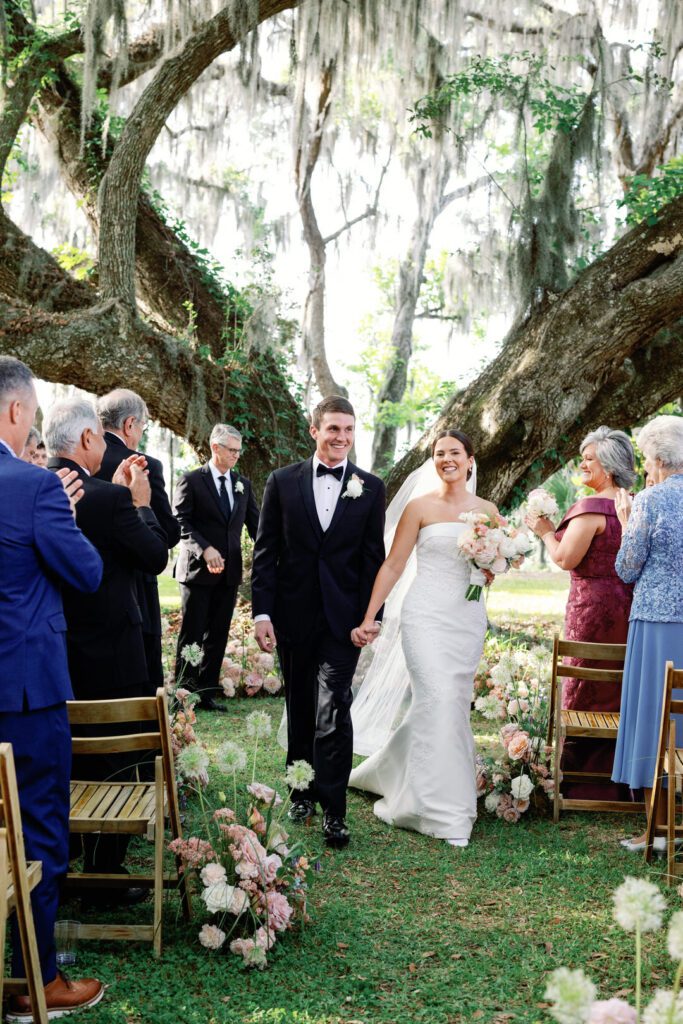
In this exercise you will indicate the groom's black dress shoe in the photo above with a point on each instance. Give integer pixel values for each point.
(335, 831)
(301, 810)
(209, 704)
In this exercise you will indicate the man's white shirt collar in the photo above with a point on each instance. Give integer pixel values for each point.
(10, 450)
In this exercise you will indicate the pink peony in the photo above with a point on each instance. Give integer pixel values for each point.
(498, 565)
(279, 911)
(264, 793)
(211, 937)
(518, 746)
(181, 693)
(270, 867)
(265, 938)
(266, 661)
(234, 673)
(507, 732)
(213, 873)
(504, 804)
(612, 1011)
(548, 785)
(481, 783)
(252, 684)
(228, 687)
(272, 684)
(511, 814)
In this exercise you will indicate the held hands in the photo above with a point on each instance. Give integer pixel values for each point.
(122, 475)
(71, 483)
(366, 633)
(132, 473)
(622, 504)
(214, 560)
(265, 635)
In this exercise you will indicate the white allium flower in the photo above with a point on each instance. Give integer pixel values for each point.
(674, 939)
(211, 937)
(491, 802)
(638, 904)
(521, 787)
(659, 1010)
(299, 775)
(193, 762)
(193, 654)
(488, 706)
(572, 993)
(501, 674)
(258, 725)
(230, 758)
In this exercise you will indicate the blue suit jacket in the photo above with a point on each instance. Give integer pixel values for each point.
(40, 548)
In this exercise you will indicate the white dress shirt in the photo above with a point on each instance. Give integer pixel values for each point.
(326, 491)
(216, 473)
(10, 450)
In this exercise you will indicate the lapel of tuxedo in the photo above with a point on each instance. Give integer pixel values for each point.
(342, 503)
(207, 477)
(306, 488)
(234, 480)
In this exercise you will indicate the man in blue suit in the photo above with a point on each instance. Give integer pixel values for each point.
(40, 547)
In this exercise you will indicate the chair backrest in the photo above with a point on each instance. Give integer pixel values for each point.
(129, 711)
(615, 653)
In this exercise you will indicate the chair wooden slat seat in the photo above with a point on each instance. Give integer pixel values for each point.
(128, 807)
(595, 724)
(669, 765)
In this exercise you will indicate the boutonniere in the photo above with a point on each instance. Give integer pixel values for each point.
(354, 487)
(239, 487)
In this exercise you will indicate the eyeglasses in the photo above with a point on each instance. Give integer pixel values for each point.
(232, 451)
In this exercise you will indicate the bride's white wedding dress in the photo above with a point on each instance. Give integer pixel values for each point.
(425, 772)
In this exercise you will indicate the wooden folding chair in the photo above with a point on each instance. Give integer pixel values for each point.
(133, 808)
(17, 879)
(669, 764)
(564, 723)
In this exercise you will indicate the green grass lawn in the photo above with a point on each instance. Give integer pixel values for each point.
(404, 928)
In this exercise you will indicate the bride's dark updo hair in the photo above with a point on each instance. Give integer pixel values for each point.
(459, 436)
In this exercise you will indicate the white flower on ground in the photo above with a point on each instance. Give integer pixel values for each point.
(223, 897)
(491, 802)
(299, 775)
(193, 762)
(213, 873)
(230, 758)
(192, 654)
(522, 787)
(572, 993)
(674, 939)
(612, 1011)
(211, 937)
(662, 1009)
(258, 725)
(638, 904)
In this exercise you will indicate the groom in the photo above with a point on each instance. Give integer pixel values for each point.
(319, 546)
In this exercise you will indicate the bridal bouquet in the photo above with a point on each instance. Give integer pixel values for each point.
(541, 503)
(253, 884)
(514, 693)
(491, 543)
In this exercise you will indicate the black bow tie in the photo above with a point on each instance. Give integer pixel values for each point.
(337, 472)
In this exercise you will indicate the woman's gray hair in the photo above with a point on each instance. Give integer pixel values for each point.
(222, 432)
(65, 422)
(614, 451)
(662, 438)
(116, 407)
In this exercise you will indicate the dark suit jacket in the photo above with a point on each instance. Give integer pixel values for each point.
(298, 569)
(40, 548)
(104, 635)
(203, 523)
(147, 590)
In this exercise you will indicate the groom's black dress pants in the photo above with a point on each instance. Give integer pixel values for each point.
(318, 676)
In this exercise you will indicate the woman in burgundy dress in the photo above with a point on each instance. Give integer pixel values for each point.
(586, 543)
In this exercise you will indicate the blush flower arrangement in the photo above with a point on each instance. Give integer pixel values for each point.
(246, 670)
(513, 692)
(252, 882)
(638, 908)
(493, 544)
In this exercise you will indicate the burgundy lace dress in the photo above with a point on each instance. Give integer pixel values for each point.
(597, 611)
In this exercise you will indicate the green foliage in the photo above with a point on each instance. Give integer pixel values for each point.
(76, 261)
(17, 164)
(646, 196)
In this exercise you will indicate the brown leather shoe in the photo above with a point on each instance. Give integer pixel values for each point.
(62, 996)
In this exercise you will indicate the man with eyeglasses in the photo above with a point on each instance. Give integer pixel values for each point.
(124, 418)
(213, 504)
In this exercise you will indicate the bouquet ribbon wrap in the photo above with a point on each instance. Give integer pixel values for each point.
(477, 583)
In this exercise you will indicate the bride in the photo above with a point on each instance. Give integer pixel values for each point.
(424, 770)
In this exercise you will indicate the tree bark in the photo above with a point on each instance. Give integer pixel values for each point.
(606, 350)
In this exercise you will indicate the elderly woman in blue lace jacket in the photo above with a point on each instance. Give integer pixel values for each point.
(651, 556)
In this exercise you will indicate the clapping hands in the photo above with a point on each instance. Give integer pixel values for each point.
(366, 633)
(132, 473)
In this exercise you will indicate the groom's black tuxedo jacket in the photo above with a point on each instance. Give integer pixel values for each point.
(203, 523)
(300, 570)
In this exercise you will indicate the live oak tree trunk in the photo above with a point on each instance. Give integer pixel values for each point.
(608, 350)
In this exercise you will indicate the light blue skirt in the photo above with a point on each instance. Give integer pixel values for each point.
(650, 645)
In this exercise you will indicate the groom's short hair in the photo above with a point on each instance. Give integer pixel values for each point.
(335, 403)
